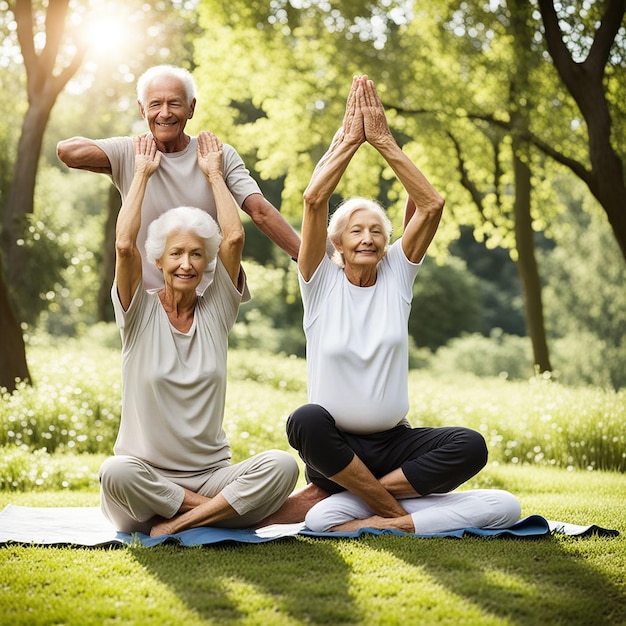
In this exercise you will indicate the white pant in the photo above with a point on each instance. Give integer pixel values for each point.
(132, 492)
(435, 513)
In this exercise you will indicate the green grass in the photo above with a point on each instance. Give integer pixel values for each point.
(368, 581)
(541, 436)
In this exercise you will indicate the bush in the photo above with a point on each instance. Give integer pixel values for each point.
(586, 359)
(74, 409)
(24, 470)
(501, 355)
(446, 303)
(74, 404)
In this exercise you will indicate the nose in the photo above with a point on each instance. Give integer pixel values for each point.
(185, 261)
(367, 235)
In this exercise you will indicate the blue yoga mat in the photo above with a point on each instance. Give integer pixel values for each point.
(86, 526)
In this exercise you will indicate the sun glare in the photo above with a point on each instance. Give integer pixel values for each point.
(107, 34)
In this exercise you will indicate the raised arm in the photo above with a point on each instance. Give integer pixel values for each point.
(83, 154)
(128, 257)
(424, 204)
(324, 180)
(272, 224)
(210, 161)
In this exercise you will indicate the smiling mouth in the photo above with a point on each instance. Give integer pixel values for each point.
(166, 125)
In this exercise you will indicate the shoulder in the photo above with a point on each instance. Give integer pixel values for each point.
(114, 146)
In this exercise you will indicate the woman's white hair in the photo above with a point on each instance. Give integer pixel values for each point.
(183, 219)
(341, 217)
(166, 70)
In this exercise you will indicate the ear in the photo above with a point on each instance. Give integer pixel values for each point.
(157, 262)
(192, 108)
(141, 109)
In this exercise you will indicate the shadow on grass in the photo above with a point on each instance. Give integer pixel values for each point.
(523, 581)
(294, 579)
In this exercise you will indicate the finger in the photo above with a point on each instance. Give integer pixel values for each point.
(373, 92)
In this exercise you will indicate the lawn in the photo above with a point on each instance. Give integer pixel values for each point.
(546, 444)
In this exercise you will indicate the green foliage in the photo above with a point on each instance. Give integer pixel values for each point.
(272, 319)
(539, 421)
(504, 356)
(74, 407)
(74, 404)
(585, 300)
(22, 469)
(446, 303)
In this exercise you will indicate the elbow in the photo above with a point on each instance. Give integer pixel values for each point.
(235, 240)
(124, 247)
(67, 151)
(313, 200)
(435, 207)
(62, 151)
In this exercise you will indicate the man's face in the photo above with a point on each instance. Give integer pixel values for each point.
(166, 111)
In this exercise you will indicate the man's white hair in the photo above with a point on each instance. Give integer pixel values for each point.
(158, 71)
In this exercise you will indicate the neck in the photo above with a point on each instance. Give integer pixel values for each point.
(178, 304)
(361, 276)
(177, 146)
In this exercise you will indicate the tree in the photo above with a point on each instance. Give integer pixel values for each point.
(43, 87)
(596, 93)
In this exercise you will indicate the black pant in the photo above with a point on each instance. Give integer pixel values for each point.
(434, 460)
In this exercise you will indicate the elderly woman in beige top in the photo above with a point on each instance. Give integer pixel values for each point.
(172, 467)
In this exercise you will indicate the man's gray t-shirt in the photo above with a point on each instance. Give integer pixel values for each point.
(178, 181)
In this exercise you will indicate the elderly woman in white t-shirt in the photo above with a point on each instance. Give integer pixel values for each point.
(172, 466)
(353, 436)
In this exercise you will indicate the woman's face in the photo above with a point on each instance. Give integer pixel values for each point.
(183, 261)
(363, 240)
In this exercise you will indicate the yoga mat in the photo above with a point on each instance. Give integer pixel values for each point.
(86, 526)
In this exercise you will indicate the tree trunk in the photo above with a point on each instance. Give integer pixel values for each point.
(44, 86)
(20, 201)
(13, 364)
(526, 262)
(105, 307)
(521, 94)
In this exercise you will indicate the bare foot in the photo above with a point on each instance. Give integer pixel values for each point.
(404, 523)
(296, 506)
(161, 528)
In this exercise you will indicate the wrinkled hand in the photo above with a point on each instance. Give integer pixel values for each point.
(147, 157)
(375, 124)
(210, 154)
(352, 130)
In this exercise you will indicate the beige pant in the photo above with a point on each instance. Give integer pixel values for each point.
(132, 491)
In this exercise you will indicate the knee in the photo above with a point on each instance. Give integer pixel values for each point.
(305, 421)
(507, 509)
(476, 448)
(287, 466)
(117, 471)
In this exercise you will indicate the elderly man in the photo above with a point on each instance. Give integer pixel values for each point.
(166, 98)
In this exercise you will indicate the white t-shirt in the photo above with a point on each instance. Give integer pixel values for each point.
(178, 181)
(357, 343)
(174, 383)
